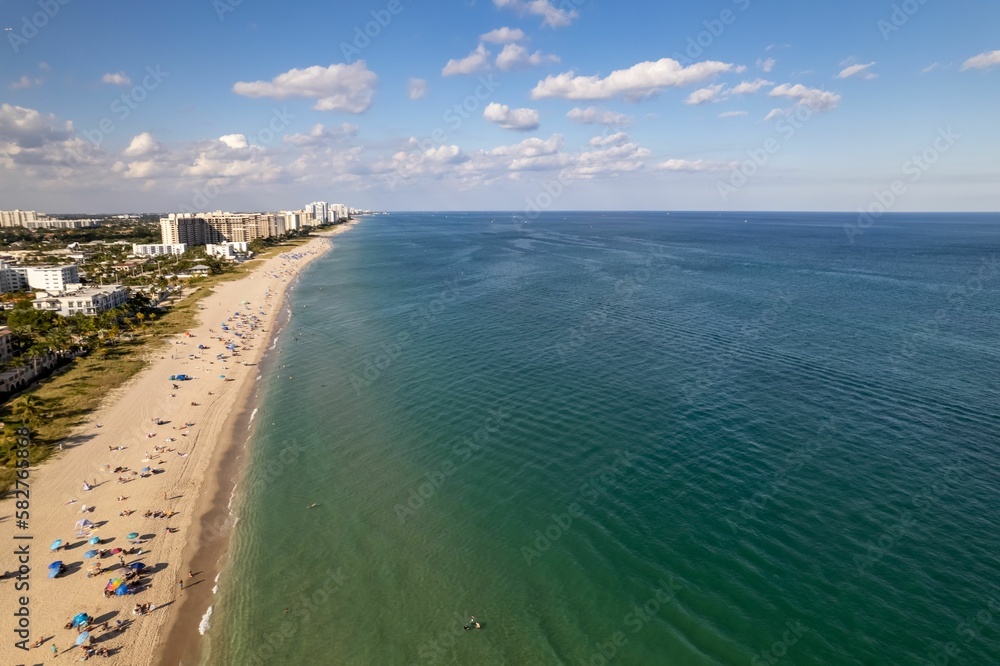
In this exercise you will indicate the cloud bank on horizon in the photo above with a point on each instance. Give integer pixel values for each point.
(484, 105)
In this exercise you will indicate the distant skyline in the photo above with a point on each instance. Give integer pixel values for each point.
(513, 105)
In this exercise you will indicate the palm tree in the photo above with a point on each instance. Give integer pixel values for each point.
(26, 409)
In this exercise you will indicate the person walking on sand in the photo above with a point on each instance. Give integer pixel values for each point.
(55, 651)
(180, 584)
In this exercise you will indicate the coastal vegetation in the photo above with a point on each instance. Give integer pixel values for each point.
(96, 355)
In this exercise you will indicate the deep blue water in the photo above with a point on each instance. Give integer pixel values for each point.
(632, 438)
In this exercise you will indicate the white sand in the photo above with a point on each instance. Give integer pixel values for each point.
(57, 494)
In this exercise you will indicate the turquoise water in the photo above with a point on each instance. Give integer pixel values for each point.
(628, 438)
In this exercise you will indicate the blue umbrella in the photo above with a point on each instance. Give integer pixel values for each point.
(94, 540)
(82, 638)
(80, 618)
(137, 566)
(56, 545)
(145, 469)
(121, 590)
(54, 569)
(89, 554)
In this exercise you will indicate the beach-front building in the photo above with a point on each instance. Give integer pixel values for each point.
(200, 269)
(226, 250)
(88, 301)
(6, 344)
(17, 218)
(158, 249)
(53, 279)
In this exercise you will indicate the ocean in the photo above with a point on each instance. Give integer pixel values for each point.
(627, 438)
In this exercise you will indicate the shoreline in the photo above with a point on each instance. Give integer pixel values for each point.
(181, 640)
(190, 486)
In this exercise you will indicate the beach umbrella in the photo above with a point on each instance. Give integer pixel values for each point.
(132, 535)
(54, 569)
(80, 618)
(122, 590)
(90, 554)
(56, 545)
(82, 638)
(137, 566)
(145, 469)
(94, 540)
(116, 551)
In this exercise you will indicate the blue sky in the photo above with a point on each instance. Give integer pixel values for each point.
(499, 104)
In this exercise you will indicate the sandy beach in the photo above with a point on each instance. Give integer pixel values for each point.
(181, 433)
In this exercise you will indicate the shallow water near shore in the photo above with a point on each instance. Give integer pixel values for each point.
(627, 438)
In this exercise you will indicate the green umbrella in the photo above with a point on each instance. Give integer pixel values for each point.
(132, 535)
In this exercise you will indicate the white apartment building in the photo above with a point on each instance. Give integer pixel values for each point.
(11, 279)
(53, 279)
(88, 301)
(226, 250)
(320, 211)
(159, 249)
(17, 218)
(45, 223)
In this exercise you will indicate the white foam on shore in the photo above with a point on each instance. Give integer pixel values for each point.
(252, 415)
(206, 621)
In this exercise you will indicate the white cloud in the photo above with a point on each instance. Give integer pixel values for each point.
(552, 16)
(116, 79)
(476, 61)
(766, 65)
(775, 113)
(984, 60)
(704, 95)
(347, 88)
(817, 100)
(733, 114)
(856, 70)
(27, 128)
(235, 141)
(515, 56)
(717, 93)
(416, 88)
(616, 139)
(141, 145)
(503, 35)
(695, 166)
(931, 68)
(749, 87)
(594, 116)
(521, 120)
(44, 66)
(640, 80)
(25, 82)
(321, 135)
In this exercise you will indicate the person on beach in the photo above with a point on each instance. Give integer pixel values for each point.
(180, 584)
